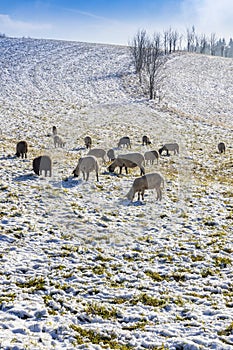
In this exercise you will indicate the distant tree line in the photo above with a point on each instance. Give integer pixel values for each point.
(149, 53)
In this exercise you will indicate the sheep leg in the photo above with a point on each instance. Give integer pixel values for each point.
(87, 177)
(126, 170)
(97, 176)
(142, 193)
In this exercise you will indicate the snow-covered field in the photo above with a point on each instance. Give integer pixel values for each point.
(81, 266)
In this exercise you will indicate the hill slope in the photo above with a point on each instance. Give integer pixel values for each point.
(81, 266)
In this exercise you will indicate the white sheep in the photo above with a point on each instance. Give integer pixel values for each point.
(58, 141)
(86, 165)
(146, 182)
(150, 156)
(129, 160)
(98, 153)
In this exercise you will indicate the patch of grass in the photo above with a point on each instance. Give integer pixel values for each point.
(101, 310)
(227, 331)
(222, 262)
(135, 326)
(107, 341)
(155, 276)
(149, 300)
(197, 258)
(103, 258)
(99, 270)
(208, 272)
(7, 297)
(37, 283)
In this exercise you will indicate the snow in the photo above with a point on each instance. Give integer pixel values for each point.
(81, 266)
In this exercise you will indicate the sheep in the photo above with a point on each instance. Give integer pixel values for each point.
(22, 149)
(54, 129)
(88, 141)
(145, 140)
(42, 163)
(170, 147)
(130, 160)
(86, 165)
(111, 155)
(146, 182)
(58, 141)
(98, 153)
(124, 141)
(150, 156)
(221, 147)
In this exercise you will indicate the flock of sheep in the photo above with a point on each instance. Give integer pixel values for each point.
(90, 163)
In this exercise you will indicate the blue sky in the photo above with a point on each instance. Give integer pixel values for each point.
(113, 21)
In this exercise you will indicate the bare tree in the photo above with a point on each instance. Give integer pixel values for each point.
(165, 41)
(175, 37)
(190, 39)
(203, 43)
(154, 60)
(137, 47)
(213, 42)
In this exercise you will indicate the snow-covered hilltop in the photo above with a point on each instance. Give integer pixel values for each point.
(81, 266)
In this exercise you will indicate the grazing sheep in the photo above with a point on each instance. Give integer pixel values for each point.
(170, 147)
(22, 149)
(124, 141)
(54, 130)
(221, 147)
(42, 163)
(146, 182)
(58, 141)
(145, 140)
(88, 141)
(130, 160)
(98, 153)
(150, 156)
(86, 165)
(111, 155)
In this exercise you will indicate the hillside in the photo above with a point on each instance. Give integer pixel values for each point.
(81, 266)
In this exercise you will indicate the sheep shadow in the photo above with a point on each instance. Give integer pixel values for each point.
(8, 157)
(77, 149)
(25, 177)
(67, 183)
(128, 203)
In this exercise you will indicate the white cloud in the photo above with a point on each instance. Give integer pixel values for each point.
(12, 27)
(209, 16)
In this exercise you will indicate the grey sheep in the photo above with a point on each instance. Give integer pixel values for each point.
(124, 141)
(146, 182)
(130, 160)
(98, 153)
(221, 147)
(86, 165)
(88, 141)
(150, 156)
(58, 141)
(111, 155)
(22, 149)
(170, 147)
(42, 163)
